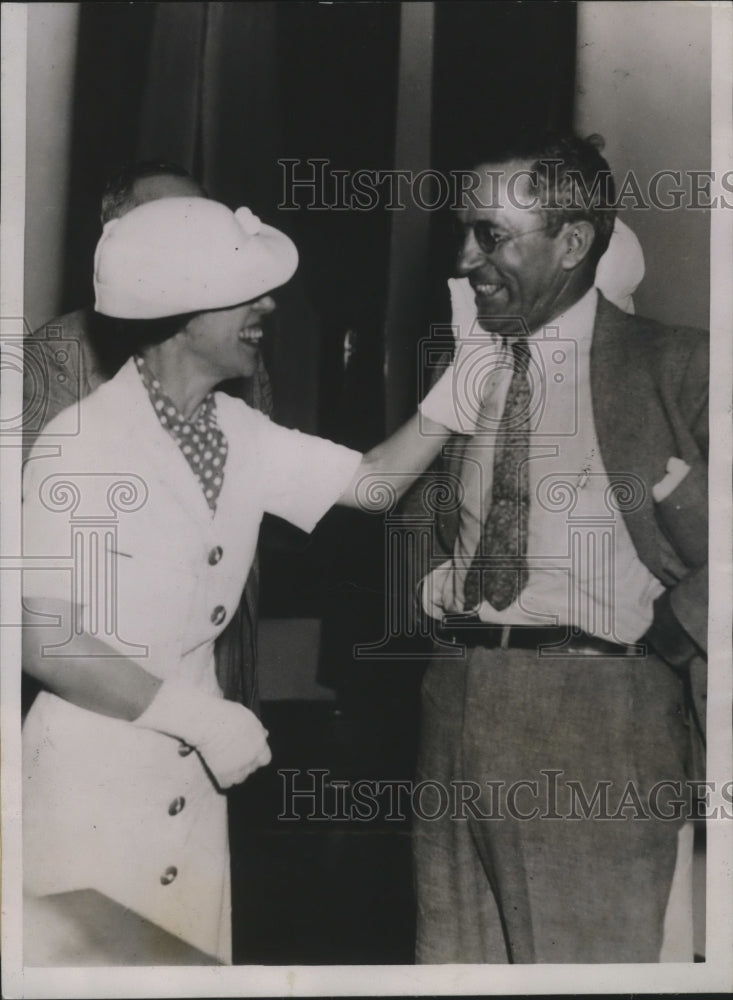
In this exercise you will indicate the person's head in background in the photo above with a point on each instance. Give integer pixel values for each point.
(131, 185)
(147, 180)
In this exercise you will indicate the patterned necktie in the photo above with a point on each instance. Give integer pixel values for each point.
(504, 537)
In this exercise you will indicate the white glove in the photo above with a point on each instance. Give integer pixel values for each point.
(228, 736)
(456, 398)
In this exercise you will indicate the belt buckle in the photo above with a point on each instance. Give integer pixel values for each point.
(505, 633)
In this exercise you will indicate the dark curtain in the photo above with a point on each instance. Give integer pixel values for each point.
(170, 116)
(501, 69)
(112, 59)
(212, 102)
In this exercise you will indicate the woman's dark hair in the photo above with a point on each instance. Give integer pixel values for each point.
(132, 335)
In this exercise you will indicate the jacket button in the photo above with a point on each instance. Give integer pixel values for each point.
(184, 750)
(218, 614)
(176, 805)
(168, 875)
(215, 555)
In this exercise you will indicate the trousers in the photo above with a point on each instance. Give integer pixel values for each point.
(550, 807)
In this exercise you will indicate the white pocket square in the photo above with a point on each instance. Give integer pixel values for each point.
(676, 472)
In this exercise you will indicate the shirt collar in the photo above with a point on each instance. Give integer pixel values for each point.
(576, 323)
(164, 405)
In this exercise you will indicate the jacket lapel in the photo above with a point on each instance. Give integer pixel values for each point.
(623, 392)
(154, 449)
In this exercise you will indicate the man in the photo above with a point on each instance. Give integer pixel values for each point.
(72, 355)
(577, 583)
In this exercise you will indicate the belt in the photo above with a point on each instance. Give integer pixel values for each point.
(562, 640)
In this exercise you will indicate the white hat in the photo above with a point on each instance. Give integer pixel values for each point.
(181, 255)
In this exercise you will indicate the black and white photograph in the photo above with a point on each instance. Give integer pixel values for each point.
(366, 547)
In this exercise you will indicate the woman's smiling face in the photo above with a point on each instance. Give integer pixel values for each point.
(228, 340)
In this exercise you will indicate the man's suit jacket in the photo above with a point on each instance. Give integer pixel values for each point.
(649, 386)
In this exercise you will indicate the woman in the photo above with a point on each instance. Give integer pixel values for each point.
(142, 525)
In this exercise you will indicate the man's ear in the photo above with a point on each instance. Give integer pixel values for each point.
(577, 240)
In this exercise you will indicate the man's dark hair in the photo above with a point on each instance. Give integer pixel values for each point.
(119, 192)
(572, 182)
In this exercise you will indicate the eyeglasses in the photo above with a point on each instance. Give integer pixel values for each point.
(483, 231)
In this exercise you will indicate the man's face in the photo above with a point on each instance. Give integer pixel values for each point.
(522, 275)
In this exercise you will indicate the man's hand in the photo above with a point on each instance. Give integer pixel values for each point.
(229, 737)
(668, 638)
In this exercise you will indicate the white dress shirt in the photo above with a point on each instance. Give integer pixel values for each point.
(583, 568)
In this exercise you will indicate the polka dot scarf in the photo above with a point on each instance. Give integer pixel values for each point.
(200, 439)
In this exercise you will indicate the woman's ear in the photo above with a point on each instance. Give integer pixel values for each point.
(577, 239)
(189, 325)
